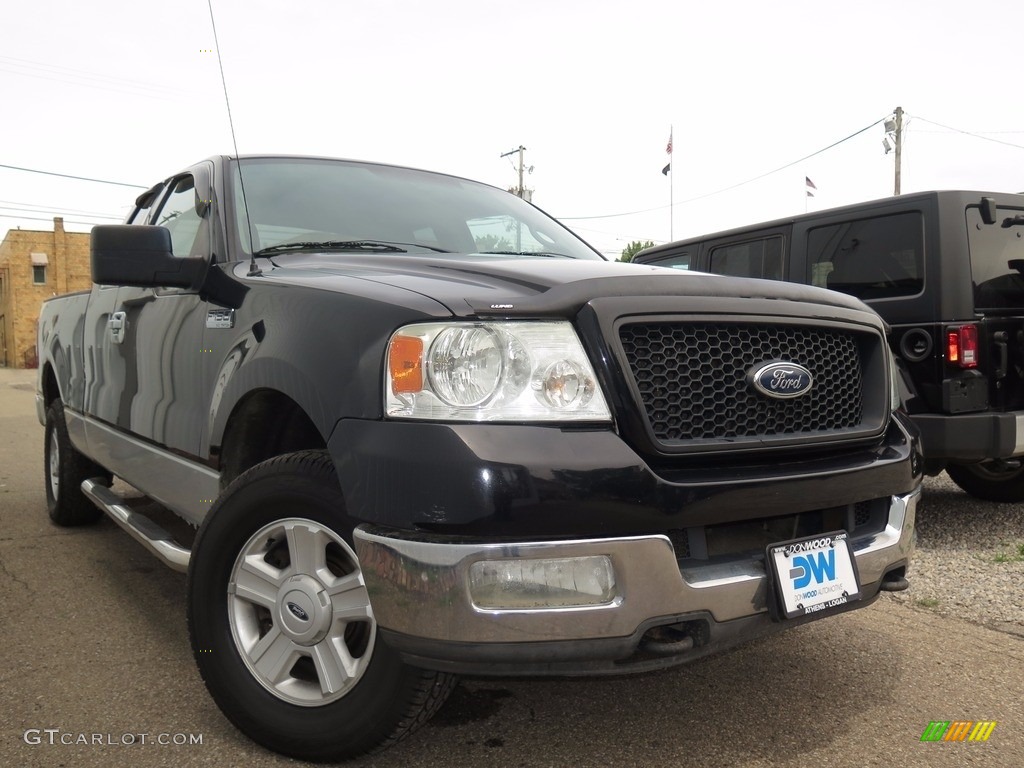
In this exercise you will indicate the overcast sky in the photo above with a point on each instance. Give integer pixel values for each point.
(131, 92)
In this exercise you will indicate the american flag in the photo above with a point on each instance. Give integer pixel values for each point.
(668, 148)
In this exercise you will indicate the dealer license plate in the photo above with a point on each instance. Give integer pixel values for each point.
(813, 574)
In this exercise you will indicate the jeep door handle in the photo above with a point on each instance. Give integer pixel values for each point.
(117, 324)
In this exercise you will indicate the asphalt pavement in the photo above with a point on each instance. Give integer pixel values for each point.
(97, 671)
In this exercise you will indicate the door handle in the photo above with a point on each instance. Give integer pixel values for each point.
(118, 323)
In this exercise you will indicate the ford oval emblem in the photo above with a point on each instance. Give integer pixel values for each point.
(297, 612)
(781, 380)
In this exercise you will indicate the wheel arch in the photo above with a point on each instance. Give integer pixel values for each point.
(50, 387)
(263, 424)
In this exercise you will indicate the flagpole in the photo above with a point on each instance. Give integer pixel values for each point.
(671, 184)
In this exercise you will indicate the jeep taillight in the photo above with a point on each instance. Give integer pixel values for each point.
(962, 346)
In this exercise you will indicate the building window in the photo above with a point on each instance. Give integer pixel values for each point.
(39, 275)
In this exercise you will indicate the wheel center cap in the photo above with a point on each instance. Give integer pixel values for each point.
(303, 610)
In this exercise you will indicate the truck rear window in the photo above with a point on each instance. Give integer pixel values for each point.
(875, 258)
(997, 259)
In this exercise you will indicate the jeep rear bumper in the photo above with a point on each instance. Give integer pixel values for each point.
(971, 436)
(423, 600)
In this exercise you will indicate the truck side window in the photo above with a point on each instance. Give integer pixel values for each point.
(139, 216)
(754, 258)
(144, 204)
(877, 258)
(179, 215)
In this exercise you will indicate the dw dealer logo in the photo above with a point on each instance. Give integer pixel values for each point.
(958, 730)
(820, 568)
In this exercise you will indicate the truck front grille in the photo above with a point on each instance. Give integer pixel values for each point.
(692, 380)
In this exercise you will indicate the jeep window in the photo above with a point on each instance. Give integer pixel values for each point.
(304, 200)
(754, 258)
(997, 259)
(680, 260)
(179, 215)
(876, 258)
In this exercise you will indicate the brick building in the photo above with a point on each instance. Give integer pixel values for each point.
(35, 265)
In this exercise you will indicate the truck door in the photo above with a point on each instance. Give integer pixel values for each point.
(162, 334)
(102, 358)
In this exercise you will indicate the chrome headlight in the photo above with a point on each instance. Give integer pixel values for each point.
(501, 371)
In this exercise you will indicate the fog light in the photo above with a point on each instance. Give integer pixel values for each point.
(551, 583)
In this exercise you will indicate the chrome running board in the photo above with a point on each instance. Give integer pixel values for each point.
(142, 529)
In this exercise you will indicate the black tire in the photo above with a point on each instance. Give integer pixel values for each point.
(64, 469)
(284, 509)
(989, 482)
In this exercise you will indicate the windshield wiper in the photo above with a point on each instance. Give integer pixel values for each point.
(333, 245)
(529, 253)
(1018, 219)
(378, 246)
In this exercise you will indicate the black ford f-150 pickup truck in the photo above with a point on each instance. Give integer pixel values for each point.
(423, 429)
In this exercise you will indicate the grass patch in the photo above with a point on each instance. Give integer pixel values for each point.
(928, 602)
(1011, 557)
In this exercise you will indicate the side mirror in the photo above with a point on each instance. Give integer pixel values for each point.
(141, 256)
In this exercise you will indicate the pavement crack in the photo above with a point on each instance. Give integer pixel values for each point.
(6, 572)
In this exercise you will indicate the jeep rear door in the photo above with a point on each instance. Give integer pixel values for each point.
(997, 275)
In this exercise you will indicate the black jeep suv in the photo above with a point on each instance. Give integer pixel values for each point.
(946, 271)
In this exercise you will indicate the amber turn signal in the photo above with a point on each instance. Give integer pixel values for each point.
(405, 363)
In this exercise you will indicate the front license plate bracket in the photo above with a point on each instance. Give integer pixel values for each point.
(811, 575)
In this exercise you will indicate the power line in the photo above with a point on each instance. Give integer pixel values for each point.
(81, 74)
(45, 218)
(733, 186)
(968, 133)
(58, 211)
(69, 176)
(45, 207)
(52, 77)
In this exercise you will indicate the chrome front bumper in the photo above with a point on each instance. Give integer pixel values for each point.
(420, 588)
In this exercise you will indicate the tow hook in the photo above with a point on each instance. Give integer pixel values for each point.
(894, 582)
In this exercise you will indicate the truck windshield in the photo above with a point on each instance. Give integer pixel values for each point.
(997, 259)
(311, 200)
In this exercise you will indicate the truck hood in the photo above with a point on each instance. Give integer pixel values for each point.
(473, 284)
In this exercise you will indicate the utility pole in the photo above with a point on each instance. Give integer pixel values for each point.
(899, 147)
(519, 191)
(521, 150)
